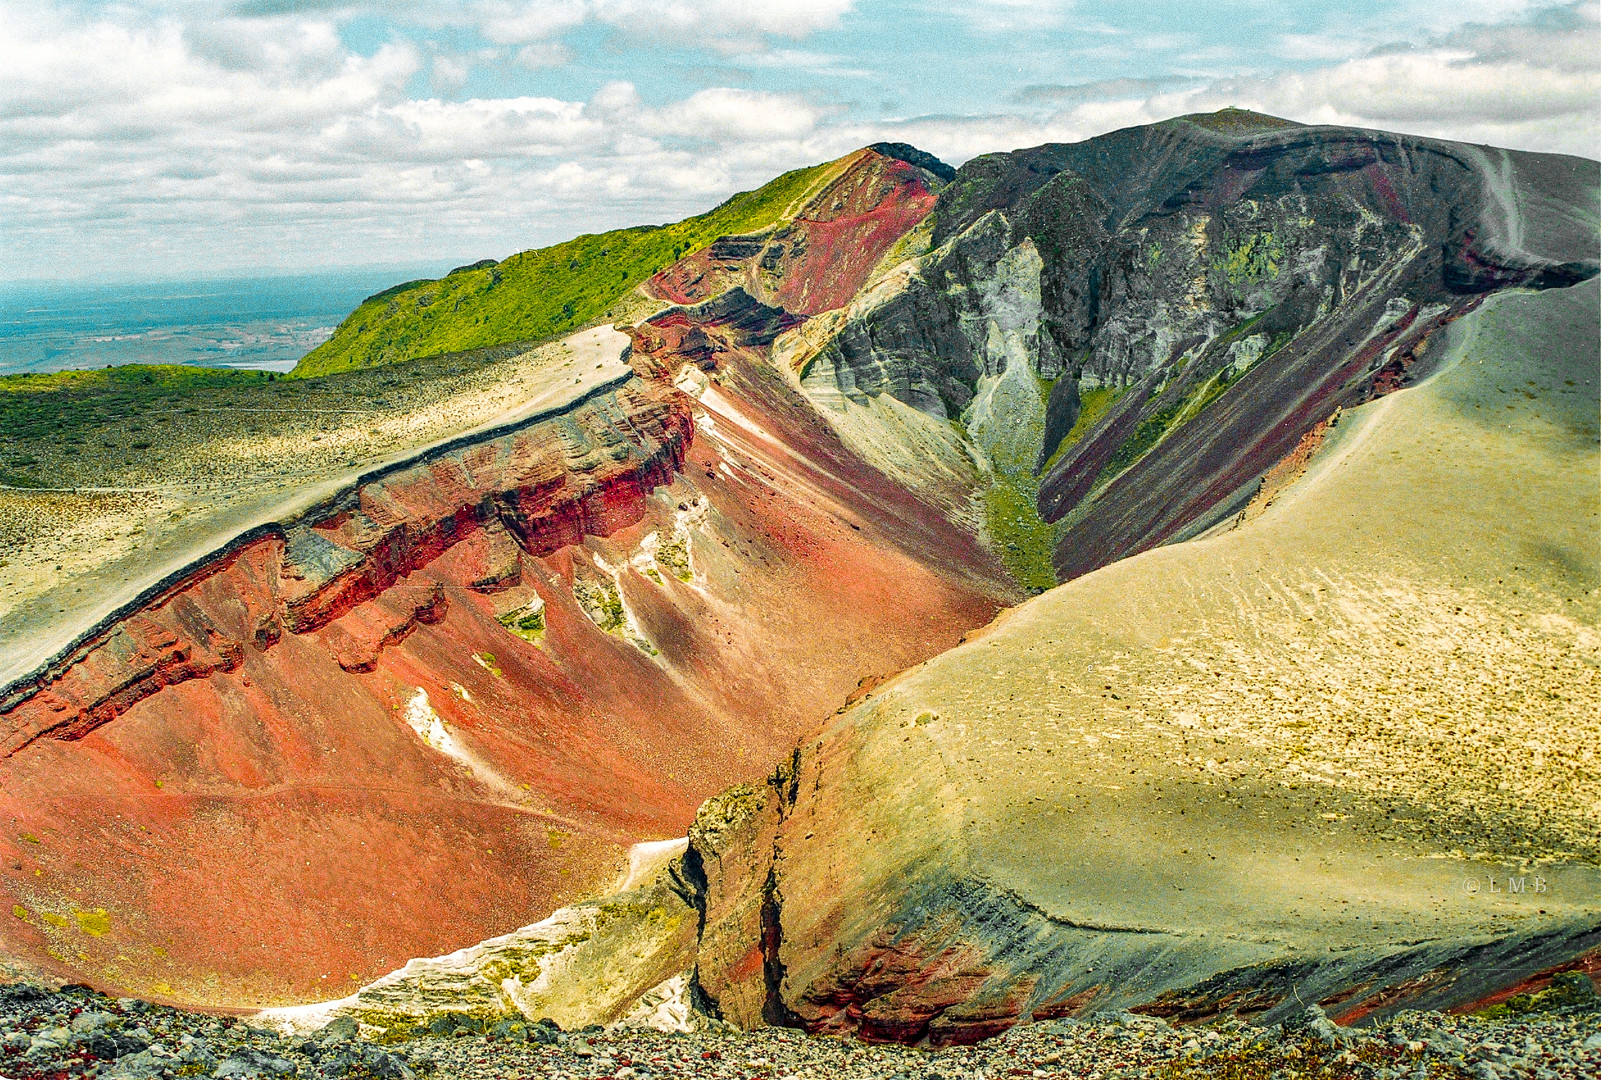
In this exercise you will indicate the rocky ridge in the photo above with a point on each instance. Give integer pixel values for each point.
(1142, 277)
(486, 673)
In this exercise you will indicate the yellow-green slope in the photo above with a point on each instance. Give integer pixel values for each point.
(540, 294)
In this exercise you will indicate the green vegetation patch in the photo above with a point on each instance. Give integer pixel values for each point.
(527, 623)
(602, 603)
(1093, 404)
(66, 412)
(1232, 121)
(1137, 445)
(540, 294)
(1025, 541)
(1567, 990)
(1253, 259)
(1155, 427)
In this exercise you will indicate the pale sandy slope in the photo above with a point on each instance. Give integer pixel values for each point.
(1316, 731)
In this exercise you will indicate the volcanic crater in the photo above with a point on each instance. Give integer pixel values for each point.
(1151, 573)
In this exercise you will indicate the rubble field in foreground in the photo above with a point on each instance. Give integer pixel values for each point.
(77, 1032)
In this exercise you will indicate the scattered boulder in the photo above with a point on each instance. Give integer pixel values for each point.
(339, 1029)
(1313, 1023)
(389, 1067)
(141, 1066)
(92, 1021)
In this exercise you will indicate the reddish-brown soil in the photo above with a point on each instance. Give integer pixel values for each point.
(326, 752)
(821, 259)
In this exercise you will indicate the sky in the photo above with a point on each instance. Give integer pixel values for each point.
(153, 139)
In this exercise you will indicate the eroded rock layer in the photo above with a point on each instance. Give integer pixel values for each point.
(444, 704)
(818, 261)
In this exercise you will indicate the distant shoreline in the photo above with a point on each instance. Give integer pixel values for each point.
(264, 322)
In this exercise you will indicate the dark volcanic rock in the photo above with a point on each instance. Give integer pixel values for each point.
(1258, 271)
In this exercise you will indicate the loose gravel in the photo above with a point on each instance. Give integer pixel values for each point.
(77, 1033)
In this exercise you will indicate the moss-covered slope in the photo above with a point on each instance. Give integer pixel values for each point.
(540, 294)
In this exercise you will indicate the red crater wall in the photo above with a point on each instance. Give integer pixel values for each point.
(328, 752)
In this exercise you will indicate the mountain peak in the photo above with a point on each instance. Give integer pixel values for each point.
(913, 156)
(1237, 121)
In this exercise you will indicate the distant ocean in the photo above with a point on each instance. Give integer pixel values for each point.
(263, 322)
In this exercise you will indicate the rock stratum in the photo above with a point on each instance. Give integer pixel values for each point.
(1304, 418)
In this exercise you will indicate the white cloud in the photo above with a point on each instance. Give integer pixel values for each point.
(1439, 90)
(450, 72)
(1533, 85)
(510, 23)
(129, 145)
(544, 54)
(724, 114)
(730, 25)
(1002, 16)
(785, 18)
(166, 142)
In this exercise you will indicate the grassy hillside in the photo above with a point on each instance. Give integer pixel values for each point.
(537, 295)
(106, 416)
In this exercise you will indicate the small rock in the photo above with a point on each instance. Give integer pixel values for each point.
(101, 1046)
(510, 1029)
(53, 1037)
(389, 1067)
(91, 1021)
(339, 1029)
(24, 994)
(451, 1023)
(139, 1066)
(1312, 1022)
(127, 1044)
(196, 1052)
